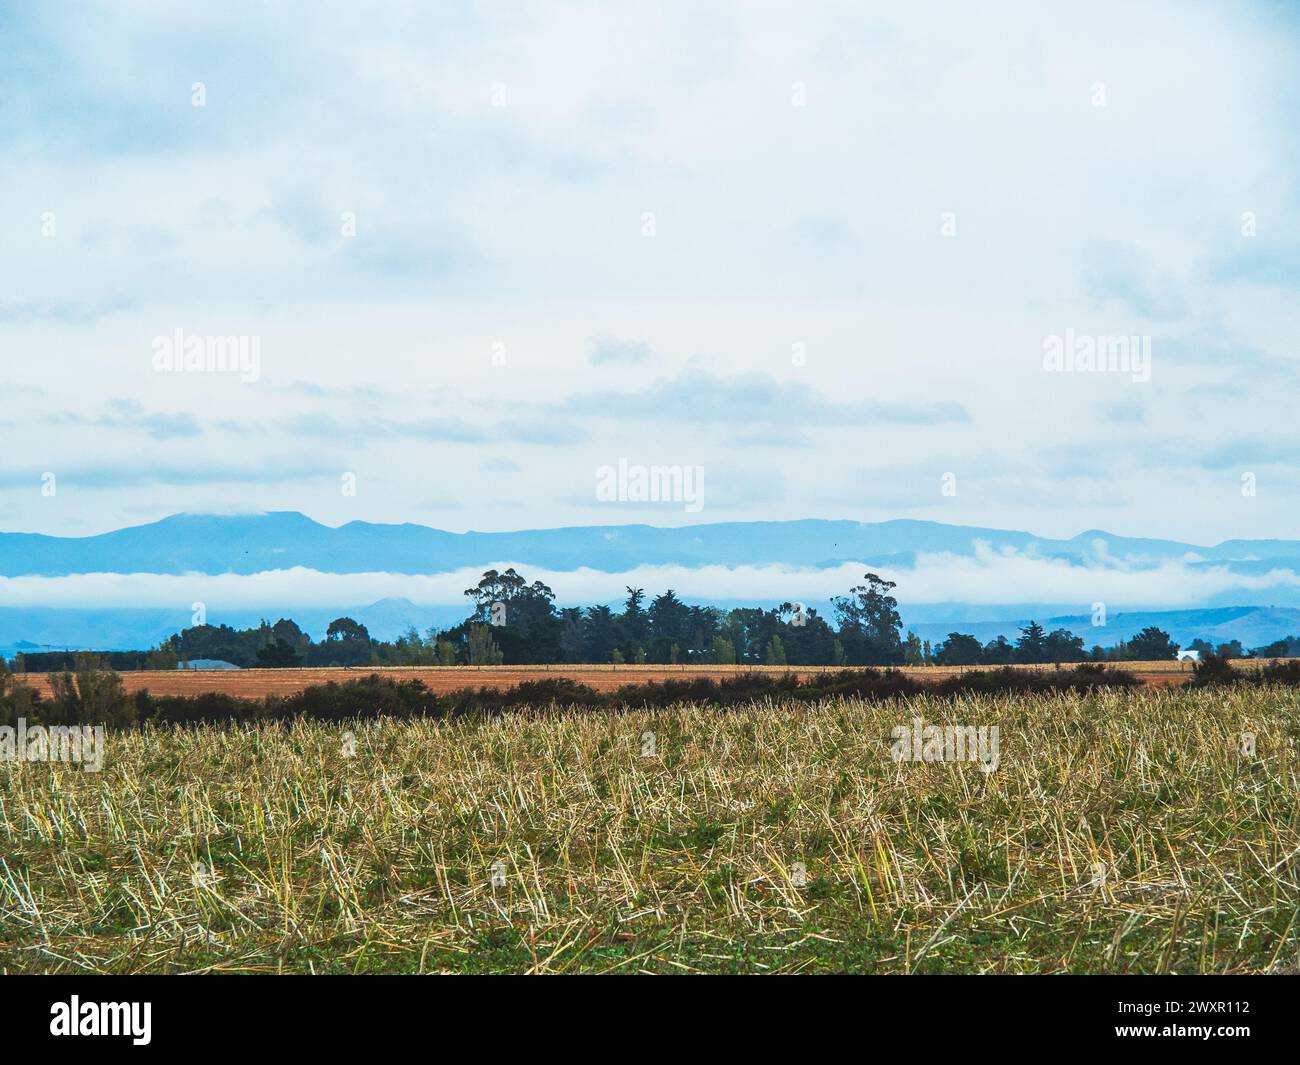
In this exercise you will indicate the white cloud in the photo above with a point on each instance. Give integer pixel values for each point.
(990, 577)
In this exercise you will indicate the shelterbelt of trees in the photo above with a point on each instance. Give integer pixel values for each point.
(514, 622)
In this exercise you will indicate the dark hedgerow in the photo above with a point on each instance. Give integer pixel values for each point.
(376, 696)
(372, 696)
(1214, 671)
(1286, 673)
(561, 691)
(1218, 671)
(1083, 677)
(205, 709)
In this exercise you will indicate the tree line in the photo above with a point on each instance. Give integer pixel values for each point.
(1036, 645)
(514, 622)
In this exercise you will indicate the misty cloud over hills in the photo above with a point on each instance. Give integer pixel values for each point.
(134, 586)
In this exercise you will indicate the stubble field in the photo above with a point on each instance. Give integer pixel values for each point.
(258, 683)
(1122, 832)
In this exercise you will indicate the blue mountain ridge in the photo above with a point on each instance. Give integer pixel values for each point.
(245, 544)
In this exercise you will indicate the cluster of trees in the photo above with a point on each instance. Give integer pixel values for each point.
(64, 661)
(1036, 645)
(514, 622)
(1288, 647)
(347, 643)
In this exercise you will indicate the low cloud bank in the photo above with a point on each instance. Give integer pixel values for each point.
(988, 577)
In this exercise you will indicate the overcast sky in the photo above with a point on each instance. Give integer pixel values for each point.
(815, 249)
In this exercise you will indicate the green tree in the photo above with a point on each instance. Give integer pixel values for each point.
(669, 619)
(483, 649)
(870, 623)
(287, 629)
(494, 588)
(161, 657)
(775, 655)
(702, 626)
(1029, 648)
(1061, 645)
(90, 696)
(571, 634)
(997, 652)
(913, 653)
(959, 650)
(347, 643)
(600, 636)
(278, 654)
(1285, 648)
(635, 623)
(346, 629)
(524, 623)
(1151, 645)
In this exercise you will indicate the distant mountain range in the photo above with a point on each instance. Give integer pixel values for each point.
(246, 544)
(1247, 589)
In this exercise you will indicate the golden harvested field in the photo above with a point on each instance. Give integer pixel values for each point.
(257, 683)
(1120, 832)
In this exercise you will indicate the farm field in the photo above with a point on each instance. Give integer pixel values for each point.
(256, 683)
(1121, 832)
